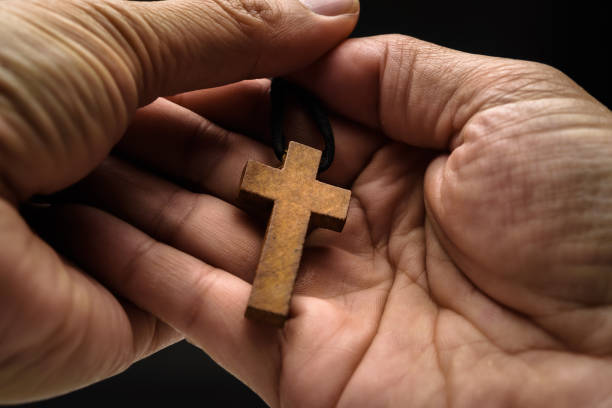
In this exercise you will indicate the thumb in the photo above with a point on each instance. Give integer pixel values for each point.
(73, 72)
(214, 42)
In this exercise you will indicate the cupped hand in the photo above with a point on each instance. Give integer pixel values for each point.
(72, 74)
(473, 268)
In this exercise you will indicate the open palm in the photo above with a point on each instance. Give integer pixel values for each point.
(475, 277)
(473, 268)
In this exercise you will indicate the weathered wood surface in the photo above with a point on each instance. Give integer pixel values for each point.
(299, 201)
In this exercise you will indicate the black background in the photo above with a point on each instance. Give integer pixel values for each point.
(573, 37)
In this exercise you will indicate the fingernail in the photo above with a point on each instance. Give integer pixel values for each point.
(332, 7)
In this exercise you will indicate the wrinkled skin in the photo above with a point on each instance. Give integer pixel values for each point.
(473, 269)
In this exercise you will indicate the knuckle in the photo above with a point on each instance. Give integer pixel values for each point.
(506, 80)
(251, 15)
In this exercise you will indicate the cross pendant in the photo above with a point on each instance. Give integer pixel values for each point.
(299, 202)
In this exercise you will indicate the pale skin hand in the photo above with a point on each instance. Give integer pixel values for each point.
(471, 278)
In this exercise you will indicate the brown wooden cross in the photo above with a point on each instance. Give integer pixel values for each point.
(299, 202)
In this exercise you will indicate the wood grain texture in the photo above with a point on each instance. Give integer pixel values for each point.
(299, 202)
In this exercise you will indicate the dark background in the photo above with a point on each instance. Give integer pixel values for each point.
(571, 37)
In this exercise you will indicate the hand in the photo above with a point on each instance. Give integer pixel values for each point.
(473, 276)
(472, 270)
(72, 74)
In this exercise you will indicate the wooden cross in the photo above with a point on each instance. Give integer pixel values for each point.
(299, 202)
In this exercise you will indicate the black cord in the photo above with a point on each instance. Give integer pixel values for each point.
(278, 91)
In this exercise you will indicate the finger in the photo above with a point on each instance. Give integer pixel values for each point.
(216, 42)
(201, 225)
(60, 321)
(242, 107)
(78, 68)
(212, 158)
(417, 92)
(204, 303)
(189, 148)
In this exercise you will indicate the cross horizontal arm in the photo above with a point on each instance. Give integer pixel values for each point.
(330, 206)
(260, 180)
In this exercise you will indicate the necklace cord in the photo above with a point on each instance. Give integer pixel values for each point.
(278, 91)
